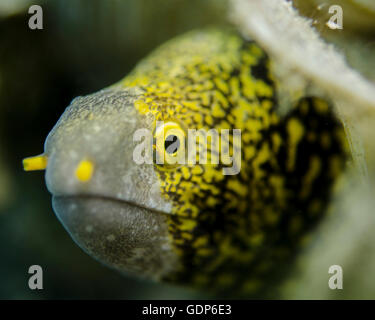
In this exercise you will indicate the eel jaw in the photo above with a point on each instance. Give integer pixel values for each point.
(121, 235)
(90, 152)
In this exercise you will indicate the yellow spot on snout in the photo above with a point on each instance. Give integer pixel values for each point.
(35, 163)
(84, 170)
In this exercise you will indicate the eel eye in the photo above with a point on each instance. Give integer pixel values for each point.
(169, 142)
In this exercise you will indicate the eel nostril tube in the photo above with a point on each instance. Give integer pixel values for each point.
(35, 163)
(84, 170)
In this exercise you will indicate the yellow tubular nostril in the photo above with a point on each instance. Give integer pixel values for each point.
(35, 163)
(84, 170)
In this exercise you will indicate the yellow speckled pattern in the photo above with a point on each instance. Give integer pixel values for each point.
(233, 232)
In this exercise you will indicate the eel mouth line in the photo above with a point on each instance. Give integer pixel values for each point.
(108, 199)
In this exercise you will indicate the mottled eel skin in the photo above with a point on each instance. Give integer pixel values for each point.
(190, 224)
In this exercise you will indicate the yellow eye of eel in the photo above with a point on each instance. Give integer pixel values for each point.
(229, 223)
(169, 143)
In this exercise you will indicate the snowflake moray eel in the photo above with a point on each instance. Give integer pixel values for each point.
(191, 224)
